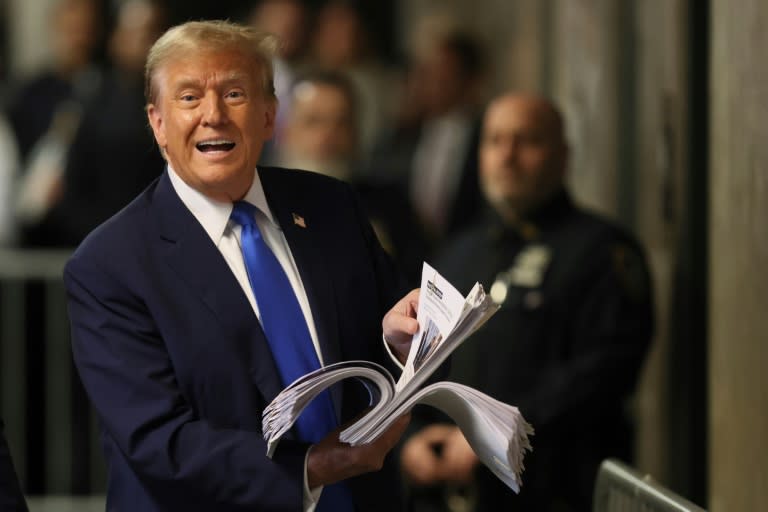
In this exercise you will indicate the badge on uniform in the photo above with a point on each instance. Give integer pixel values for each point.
(527, 271)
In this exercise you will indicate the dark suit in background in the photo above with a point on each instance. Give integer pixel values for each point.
(112, 158)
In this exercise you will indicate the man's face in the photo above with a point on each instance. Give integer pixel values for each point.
(211, 118)
(75, 32)
(321, 124)
(287, 20)
(442, 81)
(522, 154)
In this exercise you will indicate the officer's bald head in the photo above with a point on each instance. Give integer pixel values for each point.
(523, 153)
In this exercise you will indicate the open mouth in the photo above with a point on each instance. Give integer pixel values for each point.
(213, 146)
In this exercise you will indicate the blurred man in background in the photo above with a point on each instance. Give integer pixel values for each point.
(45, 111)
(288, 20)
(112, 156)
(321, 134)
(72, 73)
(321, 130)
(342, 41)
(566, 347)
(433, 152)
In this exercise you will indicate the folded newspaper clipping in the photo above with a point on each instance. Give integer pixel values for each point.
(497, 432)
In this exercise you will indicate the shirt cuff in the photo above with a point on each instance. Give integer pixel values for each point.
(311, 496)
(391, 354)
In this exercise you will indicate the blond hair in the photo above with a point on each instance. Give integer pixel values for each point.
(211, 36)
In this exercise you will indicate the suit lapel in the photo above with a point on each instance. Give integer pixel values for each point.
(294, 212)
(197, 261)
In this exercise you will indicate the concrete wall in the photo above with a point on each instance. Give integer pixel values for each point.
(738, 317)
(584, 81)
(659, 172)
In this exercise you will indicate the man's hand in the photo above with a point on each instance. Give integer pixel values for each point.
(399, 324)
(331, 461)
(438, 453)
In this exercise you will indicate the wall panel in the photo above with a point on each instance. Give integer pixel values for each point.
(738, 321)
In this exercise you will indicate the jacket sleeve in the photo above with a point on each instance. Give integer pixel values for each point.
(128, 374)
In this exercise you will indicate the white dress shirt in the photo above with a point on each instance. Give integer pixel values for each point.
(225, 233)
(213, 216)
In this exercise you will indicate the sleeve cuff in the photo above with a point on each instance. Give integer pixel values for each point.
(391, 354)
(311, 496)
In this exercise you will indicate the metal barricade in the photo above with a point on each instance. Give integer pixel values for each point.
(67, 504)
(621, 488)
(50, 425)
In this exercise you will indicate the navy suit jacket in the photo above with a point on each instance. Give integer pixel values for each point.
(175, 361)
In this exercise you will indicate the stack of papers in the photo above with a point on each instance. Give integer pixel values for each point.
(496, 431)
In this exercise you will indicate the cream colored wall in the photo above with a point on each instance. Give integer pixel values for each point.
(585, 84)
(660, 139)
(738, 319)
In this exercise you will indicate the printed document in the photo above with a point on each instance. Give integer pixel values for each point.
(497, 431)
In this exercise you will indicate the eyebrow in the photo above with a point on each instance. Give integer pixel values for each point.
(234, 77)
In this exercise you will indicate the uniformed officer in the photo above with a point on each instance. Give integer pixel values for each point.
(566, 347)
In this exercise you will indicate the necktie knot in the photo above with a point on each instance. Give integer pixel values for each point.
(244, 213)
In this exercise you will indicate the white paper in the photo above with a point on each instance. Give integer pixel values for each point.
(497, 432)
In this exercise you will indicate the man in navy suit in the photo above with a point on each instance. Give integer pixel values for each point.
(167, 334)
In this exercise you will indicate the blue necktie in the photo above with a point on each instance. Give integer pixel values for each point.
(288, 336)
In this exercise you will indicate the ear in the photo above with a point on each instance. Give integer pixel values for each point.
(155, 118)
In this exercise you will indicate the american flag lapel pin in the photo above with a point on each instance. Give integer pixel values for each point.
(299, 220)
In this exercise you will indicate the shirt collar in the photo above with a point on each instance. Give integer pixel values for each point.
(214, 215)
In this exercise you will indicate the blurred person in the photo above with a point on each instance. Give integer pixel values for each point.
(11, 497)
(321, 135)
(340, 41)
(112, 156)
(289, 21)
(9, 169)
(321, 130)
(575, 324)
(435, 153)
(216, 287)
(71, 76)
(45, 110)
